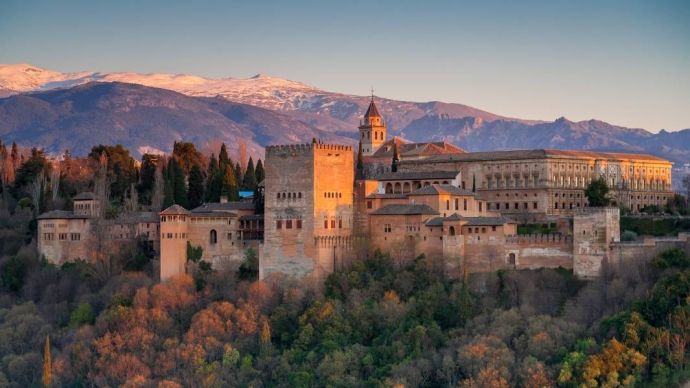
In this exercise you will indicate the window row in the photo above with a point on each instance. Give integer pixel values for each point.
(514, 206)
(170, 236)
(333, 224)
(289, 224)
(330, 194)
(62, 236)
(173, 218)
(289, 195)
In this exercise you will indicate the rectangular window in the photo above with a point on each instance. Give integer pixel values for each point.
(464, 204)
(299, 224)
(62, 236)
(387, 228)
(332, 224)
(507, 205)
(534, 205)
(447, 204)
(288, 224)
(340, 224)
(493, 228)
(279, 224)
(480, 207)
(229, 236)
(325, 224)
(456, 204)
(515, 205)
(369, 205)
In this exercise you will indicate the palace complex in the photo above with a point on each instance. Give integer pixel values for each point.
(326, 205)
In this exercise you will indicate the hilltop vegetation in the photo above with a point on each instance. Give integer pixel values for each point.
(374, 324)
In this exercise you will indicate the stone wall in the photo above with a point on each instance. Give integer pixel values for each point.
(539, 251)
(594, 229)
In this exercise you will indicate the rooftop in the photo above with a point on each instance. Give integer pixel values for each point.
(223, 207)
(404, 209)
(536, 154)
(437, 189)
(61, 214)
(407, 149)
(372, 110)
(85, 196)
(412, 175)
(175, 209)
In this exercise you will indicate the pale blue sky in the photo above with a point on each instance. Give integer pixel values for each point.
(625, 62)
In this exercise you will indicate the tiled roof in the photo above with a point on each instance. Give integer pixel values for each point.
(407, 149)
(404, 209)
(488, 221)
(387, 196)
(85, 196)
(223, 207)
(535, 154)
(436, 221)
(175, 209)
(372, 111)
(410, 175)
(135, 218)
(436, 189)
(57, 214)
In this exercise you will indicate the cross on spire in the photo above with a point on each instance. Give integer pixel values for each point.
(372, 93)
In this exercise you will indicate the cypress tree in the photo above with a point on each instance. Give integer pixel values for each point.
(180, 188)
(195, 194)
(47, 364)
(249, 181)
(238, 174)
(223, 158)
(474, 183)
(396, 157)
(168, 187)
(260, 174)
(229, 186)
(212, 193)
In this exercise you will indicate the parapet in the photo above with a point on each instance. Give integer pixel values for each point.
(306, 147)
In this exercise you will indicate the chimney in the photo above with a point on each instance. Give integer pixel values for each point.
(223, 199)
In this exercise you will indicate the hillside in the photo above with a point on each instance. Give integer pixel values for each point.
(142, 118)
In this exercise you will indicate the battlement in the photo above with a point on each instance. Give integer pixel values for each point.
(306, 148)
(555, 239)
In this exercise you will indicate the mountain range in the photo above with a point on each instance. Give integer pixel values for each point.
(147, 112)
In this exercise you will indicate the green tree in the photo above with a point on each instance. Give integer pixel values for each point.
(175, 187)
(229, 187)
(223, 158)
(597, 193)
(249, 181)
(249, 269)
(82, 315)
(195, 194)
(260, 174)
(121, 172)
(238, 174)
(213, 181)
(31, 168)
(147, 176)
(187, 156)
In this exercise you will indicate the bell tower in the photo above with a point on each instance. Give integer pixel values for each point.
(372, 129)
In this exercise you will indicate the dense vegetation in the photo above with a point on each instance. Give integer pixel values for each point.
(374, 324)
(110, 323)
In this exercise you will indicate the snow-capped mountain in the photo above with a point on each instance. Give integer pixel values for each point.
(333, 112)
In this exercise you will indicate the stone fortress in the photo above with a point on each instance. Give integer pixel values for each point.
(326, 205)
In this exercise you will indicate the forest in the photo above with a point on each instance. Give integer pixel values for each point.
(374, 324)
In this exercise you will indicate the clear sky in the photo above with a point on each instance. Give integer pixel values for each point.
(625, 62)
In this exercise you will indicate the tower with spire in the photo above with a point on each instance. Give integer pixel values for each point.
(372, 129)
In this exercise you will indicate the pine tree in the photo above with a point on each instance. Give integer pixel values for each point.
(396, 157)
(47, 364)
(195, 194)
(260, 174)
(249, 181)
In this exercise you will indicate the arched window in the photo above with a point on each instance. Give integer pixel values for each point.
(511, 259)
(389, 188)
(213, 237)
(398, 188)
(451, 230)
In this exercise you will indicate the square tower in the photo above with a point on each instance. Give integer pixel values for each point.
(594, 229)
(372, 130)
(308, 209)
